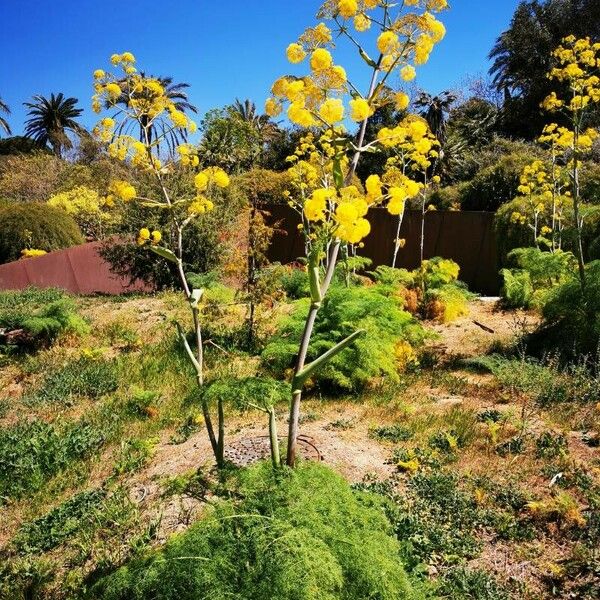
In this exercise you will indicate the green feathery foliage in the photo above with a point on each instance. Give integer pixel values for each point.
(572, 316)
(296, 535)
(43, 314)
(537, 273)
(344, 310)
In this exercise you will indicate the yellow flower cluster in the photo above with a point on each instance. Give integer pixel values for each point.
(318, 99)
(341, 213)
(412, 140)
(345, 209)
(565, 139)
(145, 236)
(80, 200)
(188, 155)
(137, 96)
(32, 253)
(121, 190)
(578, 65)
(202, 181)
(534, 180)
(517, 217)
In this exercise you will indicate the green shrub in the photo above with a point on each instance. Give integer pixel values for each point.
(454, 298)
(550, 444)
(439, 293)
(43, 314)
(437, 272)
(461, 583)
(448, 197)
(297, 535)
(207, 242)
(59, 524)
(572, 317)
(434, 273)
(83, 377)
(240, 393)
(517, 289)
(391, 433)
(513, 234)
(344, 310)
(33, 451)
(263, 186)
(435, 520)
(38, 226)
(537, 272)
(496, 184)
(46, 323)
(546, 381)
(390, 276)
(294, 282)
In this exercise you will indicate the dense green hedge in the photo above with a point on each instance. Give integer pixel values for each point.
(38, 226)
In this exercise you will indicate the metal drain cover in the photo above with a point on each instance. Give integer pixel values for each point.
(247, 451)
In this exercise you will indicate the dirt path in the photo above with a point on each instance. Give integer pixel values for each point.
(485, 325)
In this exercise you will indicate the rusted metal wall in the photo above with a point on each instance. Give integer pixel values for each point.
(80, 270)
(466, 237)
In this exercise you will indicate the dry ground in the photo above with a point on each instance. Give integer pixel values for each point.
(342, 430)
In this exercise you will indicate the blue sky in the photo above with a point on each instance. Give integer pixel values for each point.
(223, 49)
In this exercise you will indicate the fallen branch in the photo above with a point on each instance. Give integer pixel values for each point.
(484, 327)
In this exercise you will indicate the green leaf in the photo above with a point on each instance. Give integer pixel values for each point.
(301, 377)
(165, 253)
(187, 347)
(338, 175)
(367, 59)
(195, 297)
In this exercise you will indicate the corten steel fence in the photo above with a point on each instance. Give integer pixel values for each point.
(79, 269)
(469, 238)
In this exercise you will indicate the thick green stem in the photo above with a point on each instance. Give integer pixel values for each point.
(220, 454)
(275, 455)
(576, 208)
(314, 308)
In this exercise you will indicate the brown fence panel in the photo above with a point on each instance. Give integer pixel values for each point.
(466, 237)
(80, 270)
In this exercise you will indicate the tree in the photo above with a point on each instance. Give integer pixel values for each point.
(474, 122)
(176, 94)
(262, 124)
(50, 120)
(229, 140)
(434, 110)
(3, 122)
(522, 56)
(333, 210)
(181, 207)
(282, 145)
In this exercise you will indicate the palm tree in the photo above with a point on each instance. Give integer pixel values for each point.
(262, 124)
(50, 119)
(154, 129)
(434, 110)
(3, 122)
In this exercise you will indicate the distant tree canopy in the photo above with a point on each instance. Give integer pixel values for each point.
(522, 57)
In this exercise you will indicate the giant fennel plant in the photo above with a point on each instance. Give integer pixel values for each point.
(333, 207)
(133, 98)
(577, 69)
